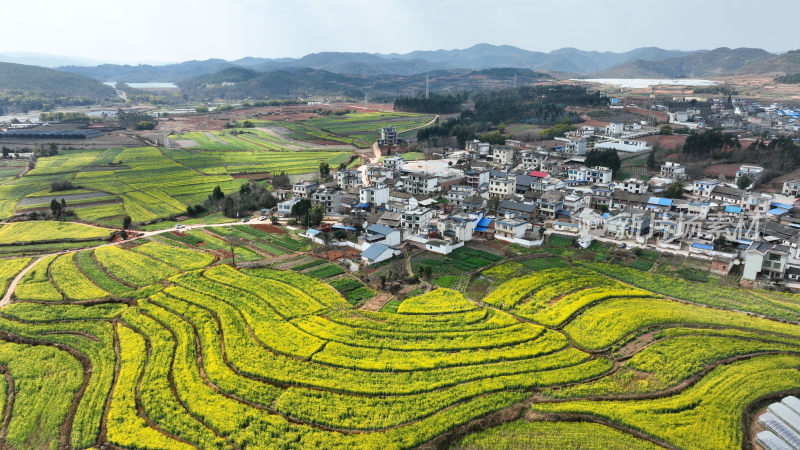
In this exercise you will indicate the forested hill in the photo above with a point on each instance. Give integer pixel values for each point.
(51, 82)
(33, 87)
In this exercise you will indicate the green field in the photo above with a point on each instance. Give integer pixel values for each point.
(357, 129)
(186, 351)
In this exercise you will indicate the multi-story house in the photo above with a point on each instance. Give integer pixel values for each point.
(502, 187)
(330, 199)
(477, 177)
(673, 170)
(766, 259)
(549, 204)
(791, 188)
(754, 172)
(505, 156)
(456, 195)
(422, 184)
(703, 187)
(346, 179)
(374, 195)
(510, 228)
(416, 219)
(304, 189)
(599, 175)
(576, 146)
(632, 186)
(393, 163)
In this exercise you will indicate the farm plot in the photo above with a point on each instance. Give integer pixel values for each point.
(217, 357)
(48, 230)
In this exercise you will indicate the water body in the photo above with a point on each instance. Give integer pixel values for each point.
(154, 85)
(641, 83)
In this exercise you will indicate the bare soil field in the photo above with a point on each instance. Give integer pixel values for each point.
(217, 120)
(729, 170)
(668, 142)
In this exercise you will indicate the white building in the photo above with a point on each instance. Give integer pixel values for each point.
(304, 189)
(416, 219)
(509, 228)
(703, 188)
(615, 129)
(459, 226)
(382, 234)
(393, 163)
(422, 184)
(376, 253)
(632, 185)
(754, 172)
(791, 188)
(599, 175)
(504, 156)
(346, 179)
(577, 173)
(673, 170)
(285, 208)
(576, 147)
(456, 195)
(626, 145)
(374, 195)
(502, 187)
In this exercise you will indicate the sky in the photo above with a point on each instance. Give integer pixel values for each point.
(149, 31)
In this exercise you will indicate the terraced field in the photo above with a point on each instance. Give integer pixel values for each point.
(147, 183)
(157, 345)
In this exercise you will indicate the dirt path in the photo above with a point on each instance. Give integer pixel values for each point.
(12, 286)
(377, 302)
(214, 137)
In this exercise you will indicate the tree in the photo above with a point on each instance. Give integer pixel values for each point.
(674, 190)
(301, 208)
(665, 130)
(493, 203)
(248, 124)
(744, 182)
(605, 158)
(55, 208)
(126, 222)
(340, 234)
(501, 128)
(343, 166)
(201, 108)
(315, 215)
(651, 161)
(63, 204)
(281, 181)
(229, 207)
(5, 152)
(217, 195)
(324, 170)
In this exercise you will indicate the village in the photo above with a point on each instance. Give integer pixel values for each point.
(519, 194)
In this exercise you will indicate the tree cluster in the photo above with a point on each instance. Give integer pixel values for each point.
(435, 103)
(606, 158)
(129, 119)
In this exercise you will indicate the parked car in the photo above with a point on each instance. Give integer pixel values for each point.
(262, 218)
(179, 226)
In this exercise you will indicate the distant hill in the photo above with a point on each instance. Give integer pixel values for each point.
(477, 57)
(51, 83)
(704, 63)
(240, 83)
(787, 63)
(45, 60)
(146, 73)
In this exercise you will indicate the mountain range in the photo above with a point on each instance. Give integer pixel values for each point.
(354, 75)
(641, 62)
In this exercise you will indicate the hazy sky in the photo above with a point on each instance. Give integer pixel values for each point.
(177, 30)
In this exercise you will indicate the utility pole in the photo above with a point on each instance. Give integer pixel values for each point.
(426, 87)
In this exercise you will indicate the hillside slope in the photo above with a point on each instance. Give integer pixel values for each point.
(51, 83)
(715, 62)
